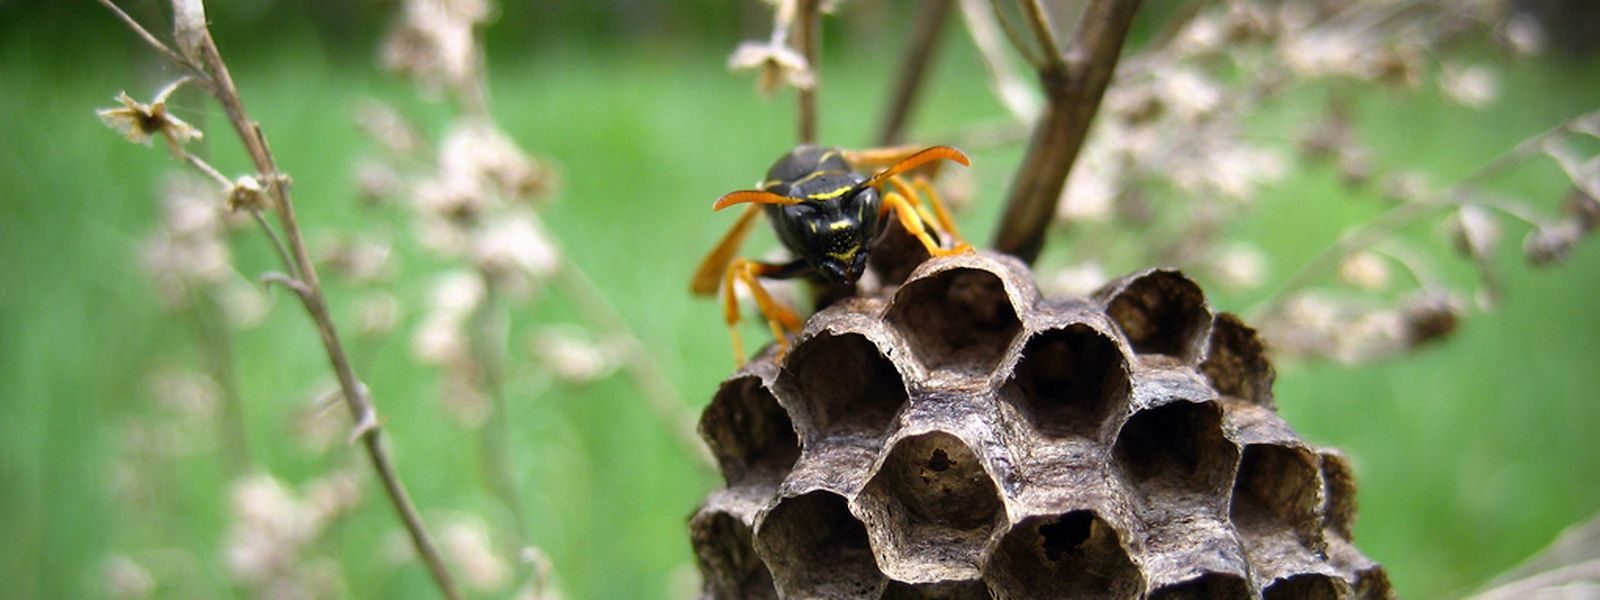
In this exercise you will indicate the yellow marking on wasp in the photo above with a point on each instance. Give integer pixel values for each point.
(845, 256)
(813, 225)
(829, 195)
(837, 225)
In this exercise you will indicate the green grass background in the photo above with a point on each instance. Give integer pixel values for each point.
(1469, 455)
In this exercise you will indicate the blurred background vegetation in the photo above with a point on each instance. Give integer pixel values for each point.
(1470, 454)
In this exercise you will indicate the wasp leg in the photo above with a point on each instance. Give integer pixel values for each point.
(926, 191)
(715, 264)
(909, 219)
(939, 216)
(779, 317)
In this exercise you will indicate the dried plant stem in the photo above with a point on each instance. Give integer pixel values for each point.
(1005, 79)
(217, 80)
(808, 22)
(913, 69)
(1074, 83)
(489, 325)
(658, 392)
(261, 221)
(1405, 214)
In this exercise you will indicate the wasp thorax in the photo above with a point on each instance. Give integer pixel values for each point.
(959, 436)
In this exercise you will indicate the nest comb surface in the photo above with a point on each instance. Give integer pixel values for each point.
(962, 437)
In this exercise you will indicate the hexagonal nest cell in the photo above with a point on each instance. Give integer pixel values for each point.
(960, 437)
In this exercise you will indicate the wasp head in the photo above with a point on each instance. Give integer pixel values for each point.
(834, 236)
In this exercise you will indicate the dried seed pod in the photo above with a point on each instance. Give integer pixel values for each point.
(959, 436)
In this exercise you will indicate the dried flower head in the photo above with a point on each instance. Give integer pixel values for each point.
(1365, 270)
(434, 44)
(775, 63)
(1553, 243)
(139, 122)
(1473, 232)
(125, 579)
(515, 251)
(1238, 266)
(574, 356)
(247, 194)
(465, 540)
(1472, 86)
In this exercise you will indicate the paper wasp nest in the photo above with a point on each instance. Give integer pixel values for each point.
(966, 438)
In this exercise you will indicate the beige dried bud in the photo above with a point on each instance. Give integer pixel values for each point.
(573, 356)
(386, 126)
(376, 180)
(1238, 266)
(1552, 244)
(1189, 94)
(1473, 231)
(775, 63)
(125, 579)
(1429, 316)
(1523, 34)
(465, 540)
(1585, 208)
(247, 194)
(1400, 66)
(516, 250)
(434, 44)
(140, 122)
(1472, 86)
(1075, 281)
(1365, 270)
(441, 338)
(189, 28)
(1406, 186)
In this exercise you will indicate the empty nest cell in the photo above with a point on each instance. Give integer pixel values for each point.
(1177, 448)
(945, 590)
(846, 384)
(1210, 586)
(728, 560)
(1073, 381)
(1072, 555)
(1278, 487)
(1308, 586)
(817, 549)
(959, 317)
(930, 508)
(1236, 361)
(1161, 312)
(748, 432)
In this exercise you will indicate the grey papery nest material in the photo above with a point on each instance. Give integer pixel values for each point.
(958, 436)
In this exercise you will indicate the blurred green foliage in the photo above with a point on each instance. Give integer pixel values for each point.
(1469, 455)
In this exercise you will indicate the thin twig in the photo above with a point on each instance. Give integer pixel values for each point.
(1044, 32)
(487, 343)
(913, 69)
(1018, 41)
(1005, 79)
(277, 244)
(1073, 88)
(155, 42)
(355, 394)
(808, 22)
(1401, 216)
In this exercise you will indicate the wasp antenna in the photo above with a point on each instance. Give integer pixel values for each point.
(923, 156)
(753, 197)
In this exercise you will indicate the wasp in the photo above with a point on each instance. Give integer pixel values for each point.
(828, 214)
